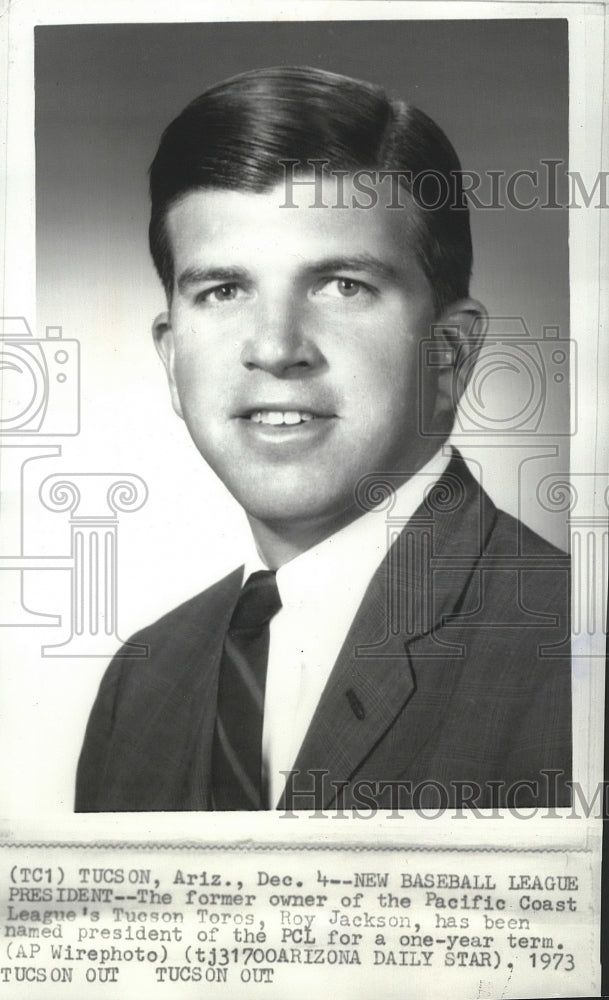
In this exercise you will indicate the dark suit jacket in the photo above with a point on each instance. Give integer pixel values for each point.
(452, 686)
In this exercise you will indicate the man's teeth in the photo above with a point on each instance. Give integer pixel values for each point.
(280, 417)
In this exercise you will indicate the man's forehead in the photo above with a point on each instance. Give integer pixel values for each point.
(246, 221)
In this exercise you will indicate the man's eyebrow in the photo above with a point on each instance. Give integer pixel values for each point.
(360, 262)
(198, 275)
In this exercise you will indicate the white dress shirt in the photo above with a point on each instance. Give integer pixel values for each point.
(321, 591)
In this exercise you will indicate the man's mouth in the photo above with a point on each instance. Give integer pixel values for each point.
(278, 418)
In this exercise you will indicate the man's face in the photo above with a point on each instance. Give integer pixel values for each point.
(292, 349)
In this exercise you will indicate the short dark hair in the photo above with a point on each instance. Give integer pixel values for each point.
(236, 135)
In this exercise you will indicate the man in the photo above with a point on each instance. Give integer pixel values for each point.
(394, 639)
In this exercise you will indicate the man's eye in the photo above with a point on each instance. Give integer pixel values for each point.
(346, 288)
(219, 293)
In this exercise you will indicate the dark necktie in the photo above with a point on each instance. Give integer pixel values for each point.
(237, 749)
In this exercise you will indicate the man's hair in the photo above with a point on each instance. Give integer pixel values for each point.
(236, 135)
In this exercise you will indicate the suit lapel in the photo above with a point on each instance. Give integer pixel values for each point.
(203, 686)
(393, 660)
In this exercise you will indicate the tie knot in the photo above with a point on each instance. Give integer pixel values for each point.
(258, 601)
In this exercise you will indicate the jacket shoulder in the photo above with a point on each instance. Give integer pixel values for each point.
(514, 537)
(125, 764)
(187, 617)
(540, 570)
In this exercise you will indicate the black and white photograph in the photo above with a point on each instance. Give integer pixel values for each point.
(304, 479)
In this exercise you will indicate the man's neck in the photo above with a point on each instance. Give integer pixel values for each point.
(279, 542)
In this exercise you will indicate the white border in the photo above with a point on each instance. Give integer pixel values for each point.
(586, 26)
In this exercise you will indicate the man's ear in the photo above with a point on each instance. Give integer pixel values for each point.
(162, 334)
(458, 334)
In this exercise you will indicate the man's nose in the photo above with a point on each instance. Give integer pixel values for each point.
(280, 341)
